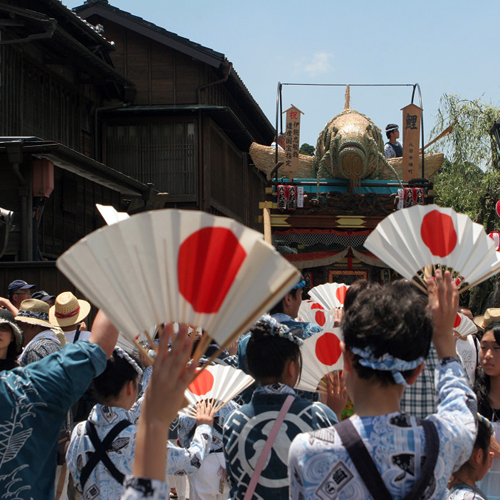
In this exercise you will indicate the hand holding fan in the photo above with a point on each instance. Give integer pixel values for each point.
(217, 384)
(179, 266)
(463, 326)
(321, 354)
(415, 241)
(329, 295)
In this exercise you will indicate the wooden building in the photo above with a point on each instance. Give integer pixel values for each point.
(55, 78)
(190, 124)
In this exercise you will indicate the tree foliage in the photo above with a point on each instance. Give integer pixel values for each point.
(306, 149)
(469, 180)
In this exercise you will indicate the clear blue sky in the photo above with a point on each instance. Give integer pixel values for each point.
(447, 46)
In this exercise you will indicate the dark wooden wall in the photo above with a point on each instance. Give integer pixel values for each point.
(70, 212)
(35, 101)
(162, 151)
(232, 186)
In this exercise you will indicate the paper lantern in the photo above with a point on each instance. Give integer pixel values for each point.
(414, 241)
(179, 266)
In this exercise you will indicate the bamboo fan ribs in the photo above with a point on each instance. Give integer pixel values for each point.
(329, 295)
(321, 355)
(418, 240)
(179, 266)
(216, 385)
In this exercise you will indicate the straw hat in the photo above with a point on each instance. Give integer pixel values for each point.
(34, 312)
(68, 310)
(7, 318)
(490, 316)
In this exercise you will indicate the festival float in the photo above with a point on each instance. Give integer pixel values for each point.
(319, 210)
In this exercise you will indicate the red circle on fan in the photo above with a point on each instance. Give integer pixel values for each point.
(328, 349)
(319, 317)
(207, 264)
(340, 293)
(317, 306)
(498, 208)
(438, 233)
(458, 320)
(202, 384)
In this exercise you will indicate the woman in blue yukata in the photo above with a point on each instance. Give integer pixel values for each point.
(274, 360)
(102, 449)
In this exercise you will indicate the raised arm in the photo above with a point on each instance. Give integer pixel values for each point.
(104, 333)
(443, 303)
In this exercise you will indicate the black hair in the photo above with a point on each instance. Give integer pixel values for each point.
(393, 320)
(482, 385)
(483, 441)
(268, 354)
(112, 380)
(357, 287)
(278, 308)
(393, 127)
(10, 361)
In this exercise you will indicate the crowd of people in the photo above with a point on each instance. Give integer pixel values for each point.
(81, 417)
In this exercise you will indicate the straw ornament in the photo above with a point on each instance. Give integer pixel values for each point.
(179, 266)
(216, 385)
(418, 240)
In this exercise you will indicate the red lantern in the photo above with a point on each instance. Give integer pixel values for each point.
(495, 236)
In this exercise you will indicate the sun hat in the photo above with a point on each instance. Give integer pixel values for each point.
(7, 318)
(68, 310)
(34, 312)
(16, 285)
(490, 316)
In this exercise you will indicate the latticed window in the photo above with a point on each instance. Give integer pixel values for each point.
(162, 153)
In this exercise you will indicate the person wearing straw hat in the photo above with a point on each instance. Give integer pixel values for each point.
(11, 341)
(68, 312)
(39, 339)
(34, 401)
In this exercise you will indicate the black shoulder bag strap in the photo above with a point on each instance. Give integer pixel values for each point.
(101, 448)
(368, 470)
(77, 334)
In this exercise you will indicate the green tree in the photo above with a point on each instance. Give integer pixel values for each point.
(469, 180)
(306, 149)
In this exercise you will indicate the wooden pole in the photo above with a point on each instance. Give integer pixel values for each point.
(267, 225)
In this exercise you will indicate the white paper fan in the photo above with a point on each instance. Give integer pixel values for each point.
(422, 237)
(321, 354)
(330, 295)
(110, 214)
(143, 338)
(313, 312)
(218, 384)
(179, 266)
(464, 326)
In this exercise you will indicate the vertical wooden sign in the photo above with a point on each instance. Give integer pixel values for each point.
(292, 140)
(411, 141)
